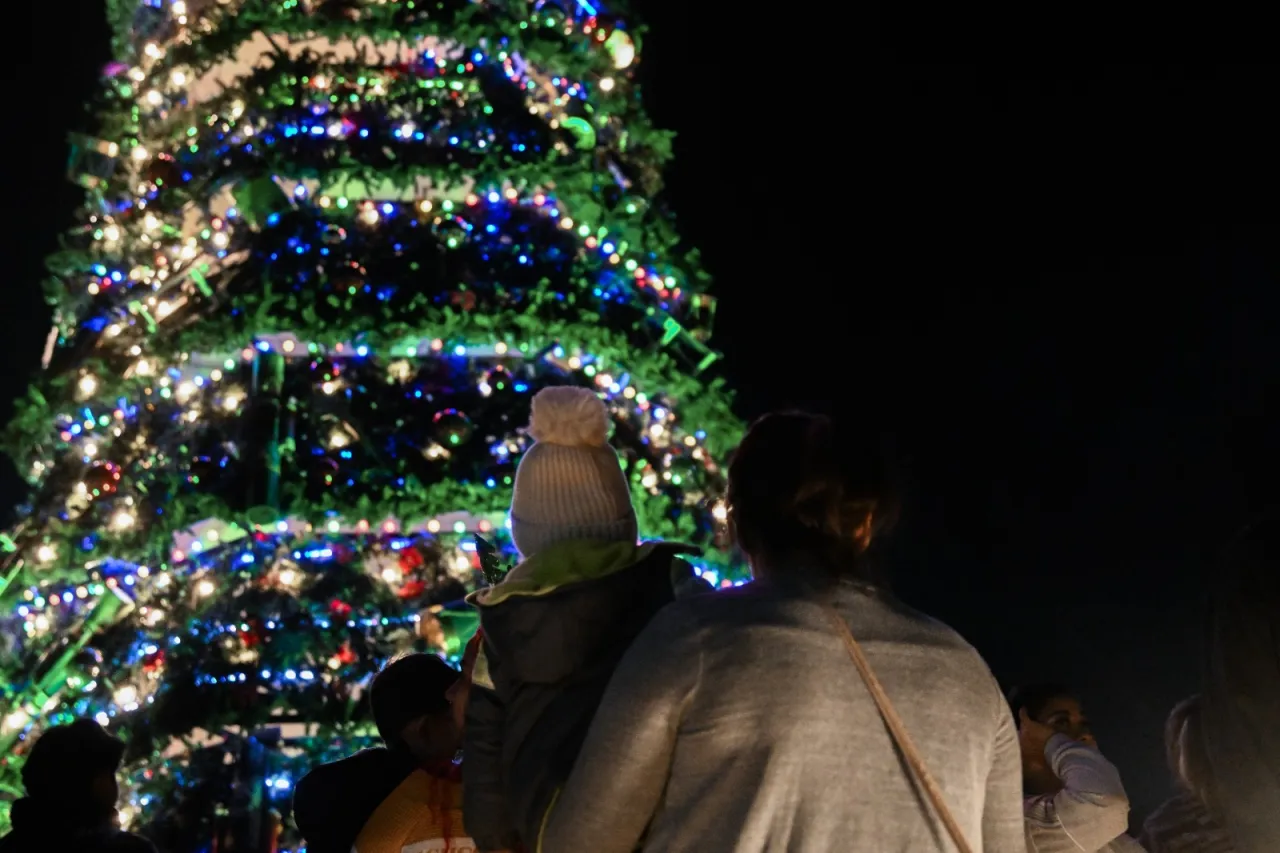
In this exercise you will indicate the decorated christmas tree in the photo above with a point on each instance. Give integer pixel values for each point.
(329, 250)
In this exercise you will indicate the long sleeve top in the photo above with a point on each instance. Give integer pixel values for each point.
(1183, 824)
(1090, 813)
(737, 723)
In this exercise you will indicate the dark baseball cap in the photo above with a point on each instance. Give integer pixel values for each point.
(408, 688)
(70, 756)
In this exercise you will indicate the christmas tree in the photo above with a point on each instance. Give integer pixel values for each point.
(329, 251)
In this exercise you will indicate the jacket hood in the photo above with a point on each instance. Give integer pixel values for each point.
(572, 562)
(575, 608)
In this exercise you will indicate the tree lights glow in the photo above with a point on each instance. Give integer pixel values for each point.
(330, 249)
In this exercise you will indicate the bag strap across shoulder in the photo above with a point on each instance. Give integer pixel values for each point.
(898, 730)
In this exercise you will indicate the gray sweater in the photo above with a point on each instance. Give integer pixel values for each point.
(738, 723)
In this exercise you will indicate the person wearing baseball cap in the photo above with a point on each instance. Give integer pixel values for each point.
(70, 780)
(408, 793)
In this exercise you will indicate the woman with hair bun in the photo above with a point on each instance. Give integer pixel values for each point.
(742, 721)
(1191, 821)
(1240, 713)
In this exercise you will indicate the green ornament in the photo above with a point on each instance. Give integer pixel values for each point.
(584, 134)
(258, 199)
(491, 564)
(262, 516)
(452, 428)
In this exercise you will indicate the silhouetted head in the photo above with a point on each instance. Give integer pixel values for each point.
(799, 498)
(75, 764)
(411, 707)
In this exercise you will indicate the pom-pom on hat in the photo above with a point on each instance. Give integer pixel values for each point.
(569, 484)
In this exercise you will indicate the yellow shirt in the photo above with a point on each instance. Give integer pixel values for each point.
(422, 815)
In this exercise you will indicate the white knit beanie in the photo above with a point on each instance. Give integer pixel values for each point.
(569, 484)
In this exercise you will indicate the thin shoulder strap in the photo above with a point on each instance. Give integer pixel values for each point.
(898, 730)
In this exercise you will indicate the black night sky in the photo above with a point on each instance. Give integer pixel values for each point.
(1054, 287)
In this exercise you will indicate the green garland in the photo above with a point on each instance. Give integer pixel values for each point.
(701, 406)
(539, 38)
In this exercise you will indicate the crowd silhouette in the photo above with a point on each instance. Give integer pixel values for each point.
(610, 702)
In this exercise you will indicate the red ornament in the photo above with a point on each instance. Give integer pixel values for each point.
(253, 636)
(103, 479)
(339, 608)
(412, 589)
(410, 559)
(346, 655)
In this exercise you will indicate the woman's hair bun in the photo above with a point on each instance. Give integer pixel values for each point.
(795, 486)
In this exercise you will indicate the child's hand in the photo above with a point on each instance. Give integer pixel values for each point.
(1033, 735)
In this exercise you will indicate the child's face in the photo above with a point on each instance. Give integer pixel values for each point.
(433, 737)
(460, 693)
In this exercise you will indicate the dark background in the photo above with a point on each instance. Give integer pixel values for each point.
(1053, 286)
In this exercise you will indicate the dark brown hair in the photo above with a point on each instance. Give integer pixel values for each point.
(797, 491)
(1034, 698)
(406, 689)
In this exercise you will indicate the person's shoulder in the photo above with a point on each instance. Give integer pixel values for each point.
(891, 615)
(719, 611)
(354, 771)
(1181, 815)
